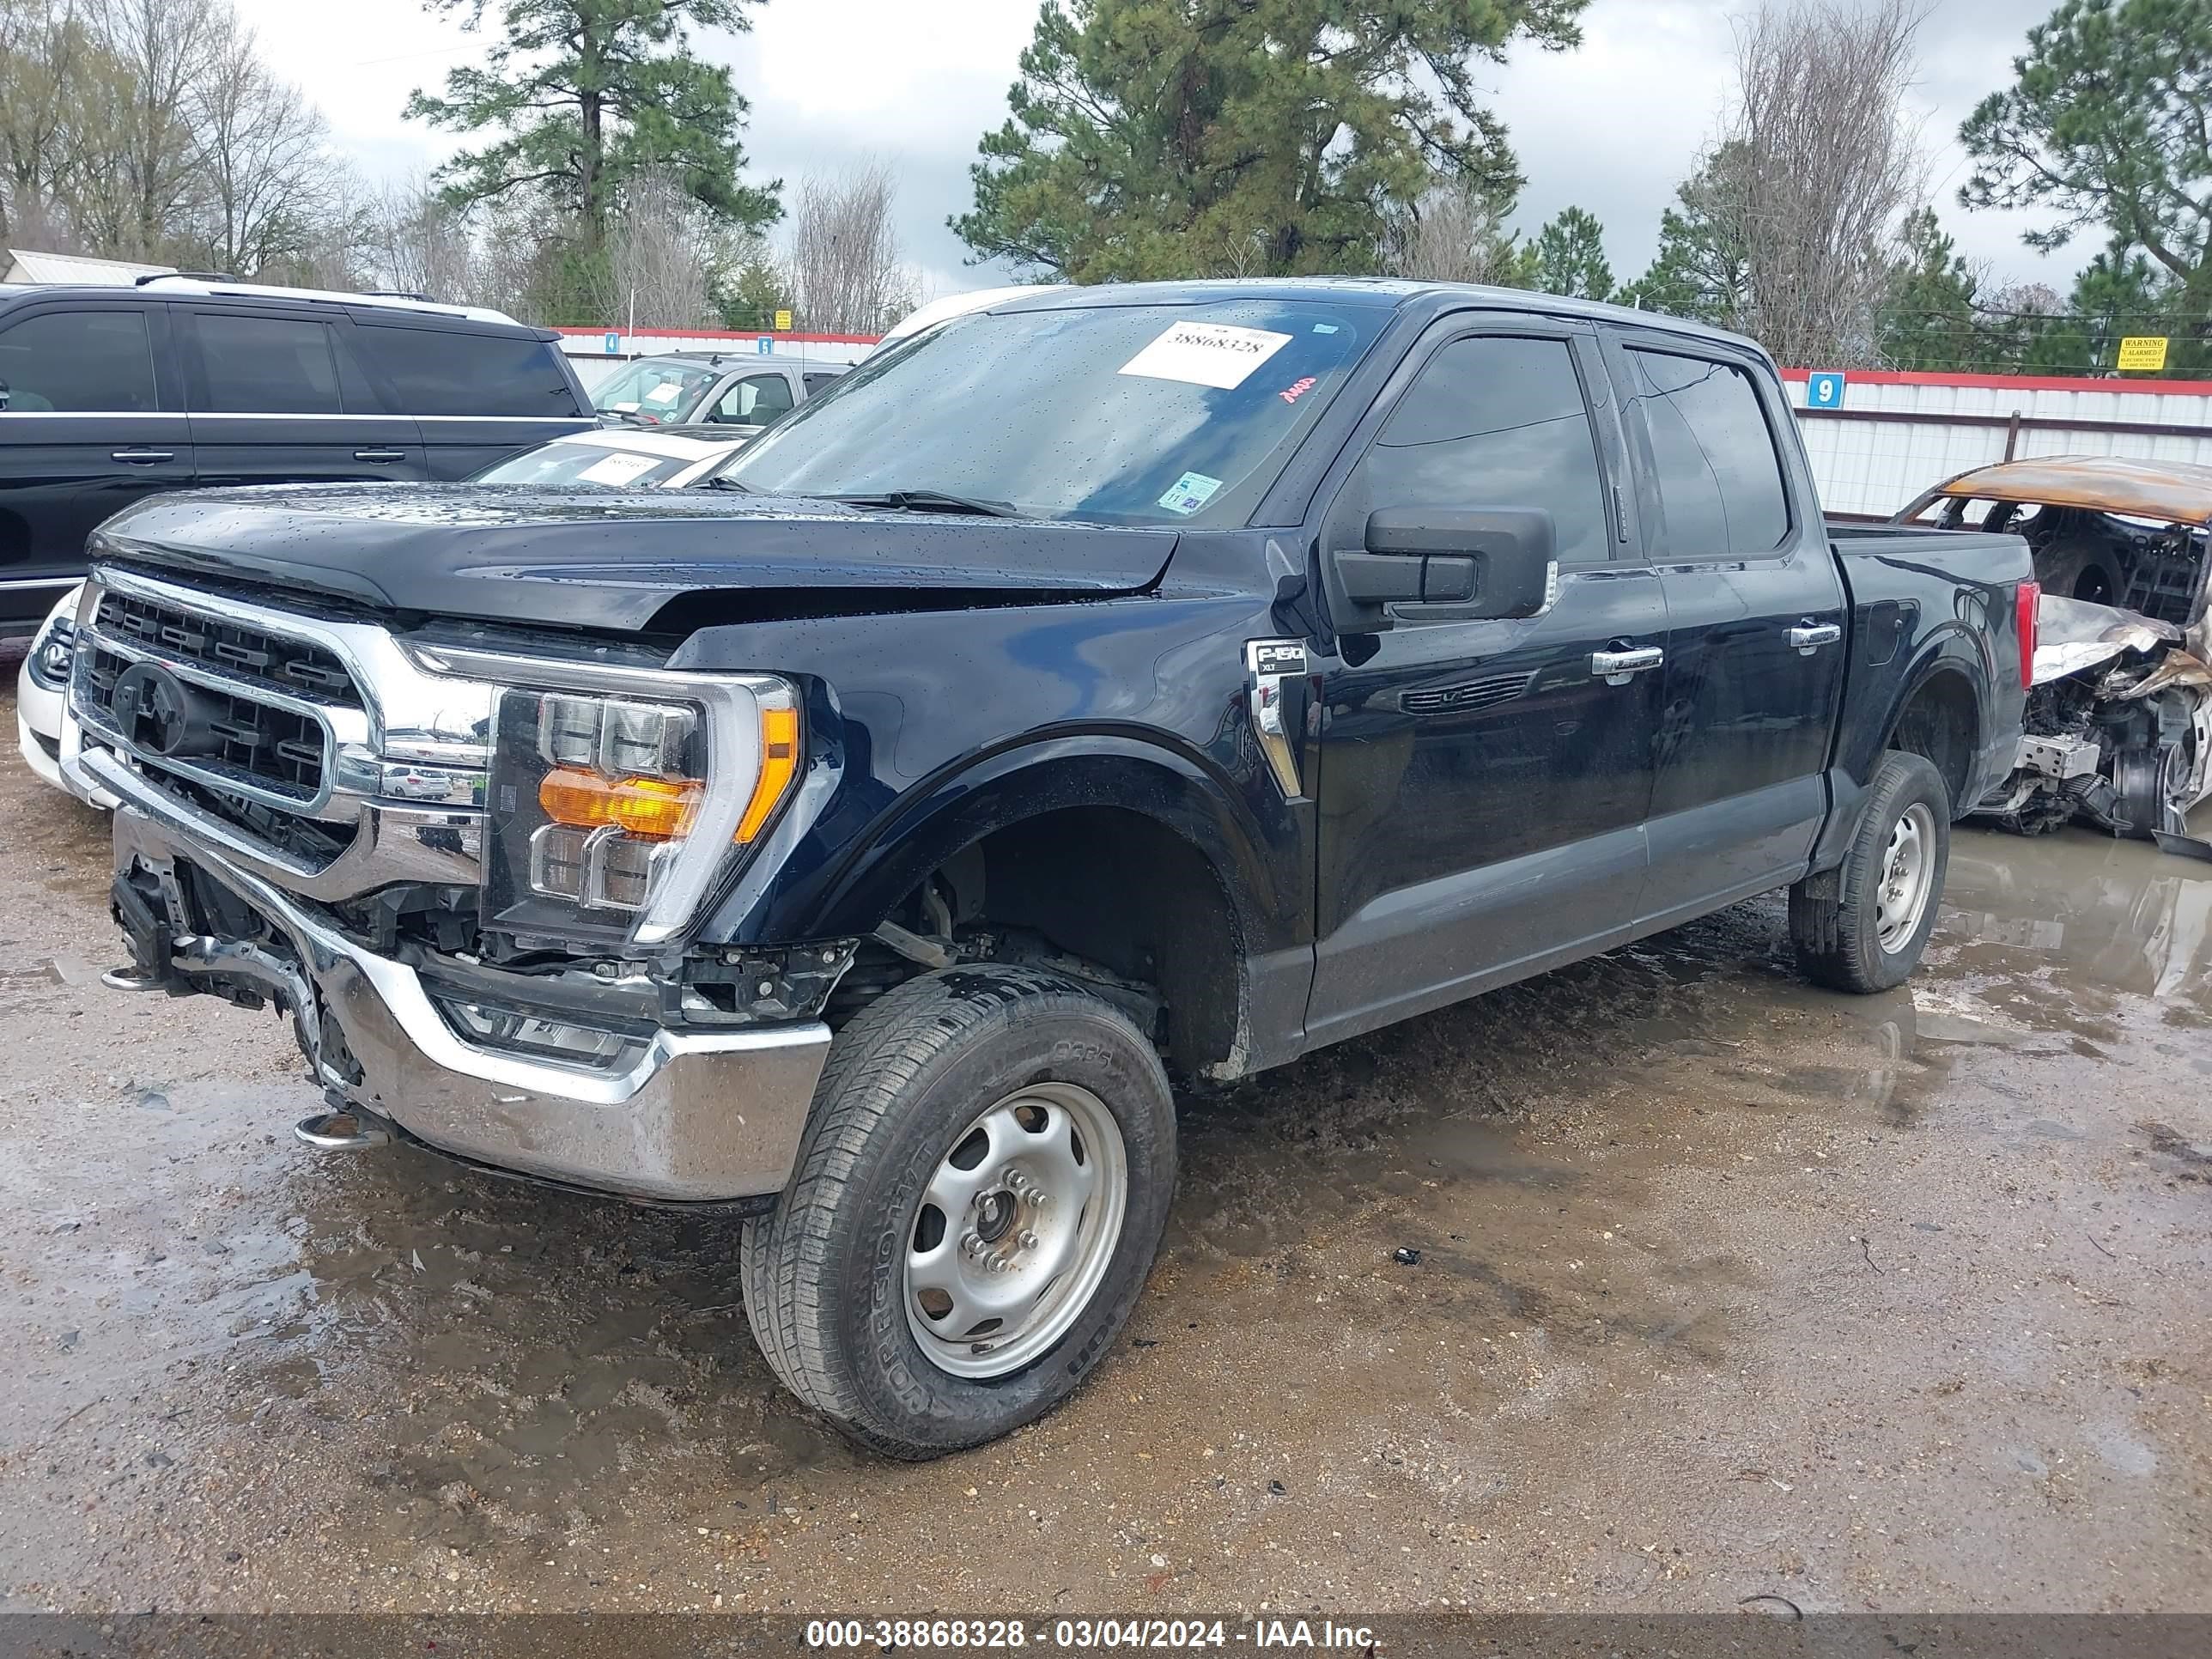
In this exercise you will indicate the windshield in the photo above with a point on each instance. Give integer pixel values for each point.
(565, 462)
(1116, 414)
(658, 391)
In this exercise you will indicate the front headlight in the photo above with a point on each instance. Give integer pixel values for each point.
(613, 816)
(49, 661)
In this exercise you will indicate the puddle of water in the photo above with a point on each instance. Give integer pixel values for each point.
(2088, 915)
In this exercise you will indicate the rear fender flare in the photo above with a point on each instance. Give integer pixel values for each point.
(1955, 647)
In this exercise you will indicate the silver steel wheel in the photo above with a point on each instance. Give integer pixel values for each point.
(1015, 1229)
(1908, 871)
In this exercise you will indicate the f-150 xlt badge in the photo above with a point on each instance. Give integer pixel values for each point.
(1274, 665)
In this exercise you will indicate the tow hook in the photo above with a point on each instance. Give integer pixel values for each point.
(342, 1130)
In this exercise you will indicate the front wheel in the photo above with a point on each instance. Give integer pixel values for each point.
(981, 1190)
(1868, 934)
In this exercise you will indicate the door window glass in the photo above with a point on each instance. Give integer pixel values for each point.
(78, 361)
(1720, 479)
(755, 401)
(1497, 423)
(448, 372)
(266, 365)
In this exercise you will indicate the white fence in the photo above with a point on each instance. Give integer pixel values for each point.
(1895, 435)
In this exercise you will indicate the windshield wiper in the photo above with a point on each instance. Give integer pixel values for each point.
(723, 481)
(932, 500)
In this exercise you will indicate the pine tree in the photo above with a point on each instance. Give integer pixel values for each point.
(1184, 137)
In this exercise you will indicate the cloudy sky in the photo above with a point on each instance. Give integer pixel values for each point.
(1612, 126)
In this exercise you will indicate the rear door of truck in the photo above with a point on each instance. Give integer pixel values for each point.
(1756, 620)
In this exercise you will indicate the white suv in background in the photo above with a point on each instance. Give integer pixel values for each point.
(44, 730)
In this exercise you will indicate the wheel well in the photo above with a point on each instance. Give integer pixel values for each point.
(1112, 889)
(1942, 721)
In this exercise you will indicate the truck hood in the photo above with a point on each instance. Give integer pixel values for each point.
(598, 560)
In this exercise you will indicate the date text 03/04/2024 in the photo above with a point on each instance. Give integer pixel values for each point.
(1083, 1634)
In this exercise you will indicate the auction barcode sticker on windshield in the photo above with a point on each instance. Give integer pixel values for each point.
(1207, 354)
(617, 469)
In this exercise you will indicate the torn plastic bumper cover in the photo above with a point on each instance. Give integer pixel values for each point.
(2119, 730)
(668, 1116)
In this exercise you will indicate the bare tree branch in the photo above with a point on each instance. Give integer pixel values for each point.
(844, 270)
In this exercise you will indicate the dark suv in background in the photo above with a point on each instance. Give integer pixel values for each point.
(107, 394)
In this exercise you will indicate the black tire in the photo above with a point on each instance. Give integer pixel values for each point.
(1838, 932)
(825, 1276)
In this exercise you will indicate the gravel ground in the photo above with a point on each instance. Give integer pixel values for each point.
(1727, 1288)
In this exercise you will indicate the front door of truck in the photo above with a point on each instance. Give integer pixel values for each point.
(1755, 612)
(1483, 784)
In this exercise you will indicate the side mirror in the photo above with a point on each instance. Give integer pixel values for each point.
(1484, 563)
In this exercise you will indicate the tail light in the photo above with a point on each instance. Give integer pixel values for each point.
(2025, 601)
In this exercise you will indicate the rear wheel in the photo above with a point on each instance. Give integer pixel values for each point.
(1867, 931)
(984, 1181)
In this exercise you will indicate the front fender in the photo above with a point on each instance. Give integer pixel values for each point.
(934, 728)
(1048, 771)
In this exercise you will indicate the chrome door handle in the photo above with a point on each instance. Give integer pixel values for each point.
(379, 454)
(1808, 638)
(1615, 667)
(141, 457)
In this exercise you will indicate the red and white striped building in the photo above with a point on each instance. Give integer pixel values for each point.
(1896, 433)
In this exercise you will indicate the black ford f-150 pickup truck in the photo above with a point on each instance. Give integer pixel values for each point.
(1112, 685)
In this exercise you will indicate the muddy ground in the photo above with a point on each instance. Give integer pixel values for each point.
(1728, 1288)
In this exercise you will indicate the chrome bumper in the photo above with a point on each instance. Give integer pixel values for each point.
(686, 1117)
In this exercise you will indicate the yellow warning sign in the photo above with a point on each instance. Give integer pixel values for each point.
(783, 322)
(2143, 351)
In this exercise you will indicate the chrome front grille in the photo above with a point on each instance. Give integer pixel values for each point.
(320, 754)
(243, 714)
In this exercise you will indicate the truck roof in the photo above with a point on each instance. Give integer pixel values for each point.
(1380, 292)
(2179, 492)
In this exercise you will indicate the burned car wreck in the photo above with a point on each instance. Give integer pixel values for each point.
(2119, 716)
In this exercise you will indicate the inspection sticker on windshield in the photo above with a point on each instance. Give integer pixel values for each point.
(1192, 491)
(1207, 354)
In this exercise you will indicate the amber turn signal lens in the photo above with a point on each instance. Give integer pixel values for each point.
(654, 809)
(779, 764)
